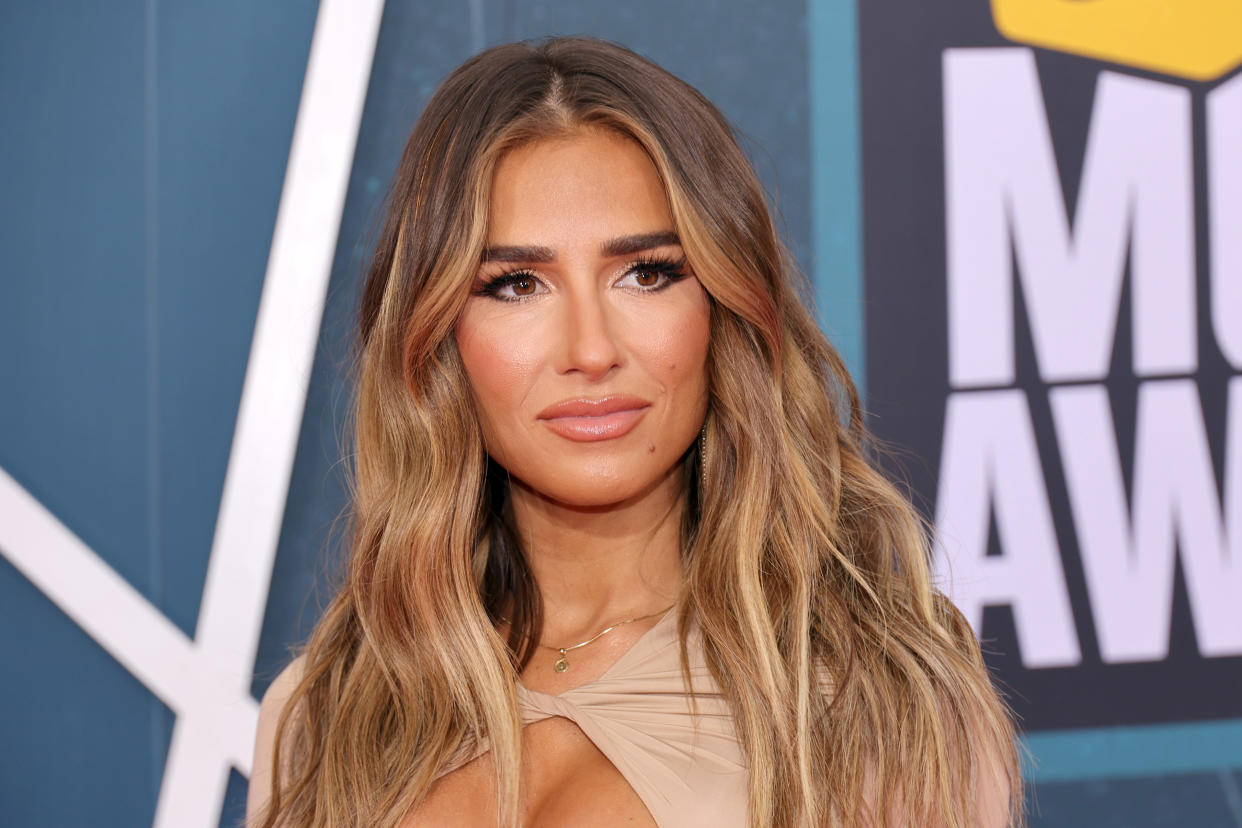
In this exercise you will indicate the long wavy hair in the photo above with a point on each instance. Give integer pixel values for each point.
(858, 692)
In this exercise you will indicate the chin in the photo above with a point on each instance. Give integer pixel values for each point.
(586, 488)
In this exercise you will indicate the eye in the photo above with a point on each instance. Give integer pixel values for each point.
(512, 287)
(523, 286)
(647, 278)
(651, 276)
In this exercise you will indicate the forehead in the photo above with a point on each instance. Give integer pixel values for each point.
(589, 185)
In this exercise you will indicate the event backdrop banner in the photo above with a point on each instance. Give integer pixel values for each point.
(1053, 214)
(1052, 193)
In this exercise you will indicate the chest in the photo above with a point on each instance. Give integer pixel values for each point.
(566, 781)
(624, 747)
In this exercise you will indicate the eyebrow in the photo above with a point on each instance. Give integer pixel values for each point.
(620, 246)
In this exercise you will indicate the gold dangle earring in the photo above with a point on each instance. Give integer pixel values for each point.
(703, 461)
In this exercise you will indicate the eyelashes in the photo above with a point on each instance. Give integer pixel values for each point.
(521, 285)
(517, 279)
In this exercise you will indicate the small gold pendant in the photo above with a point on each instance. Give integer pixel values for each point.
(561, 665)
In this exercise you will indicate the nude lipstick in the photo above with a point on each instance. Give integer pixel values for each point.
(585, 420)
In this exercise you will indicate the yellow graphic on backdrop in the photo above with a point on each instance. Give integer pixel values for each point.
(1195, 39)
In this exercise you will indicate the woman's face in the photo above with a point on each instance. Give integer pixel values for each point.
(585, 335)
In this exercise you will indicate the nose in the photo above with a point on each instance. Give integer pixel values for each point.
(590, 345)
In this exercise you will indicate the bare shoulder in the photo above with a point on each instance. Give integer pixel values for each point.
(988, 757)
(273, 704)
(979, 767)
(999, 791)
(989, 800)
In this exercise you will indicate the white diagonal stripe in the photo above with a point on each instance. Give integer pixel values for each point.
(282, 354)
(269, 418)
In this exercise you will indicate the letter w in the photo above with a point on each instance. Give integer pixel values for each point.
(1128, 554)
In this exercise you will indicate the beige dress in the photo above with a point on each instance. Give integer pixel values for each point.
(687, 767)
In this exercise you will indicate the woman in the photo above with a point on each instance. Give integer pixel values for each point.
(618, 554)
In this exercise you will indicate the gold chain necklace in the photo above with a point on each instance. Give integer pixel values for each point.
(562, 663)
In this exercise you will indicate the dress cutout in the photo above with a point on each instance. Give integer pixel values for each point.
(687, 769)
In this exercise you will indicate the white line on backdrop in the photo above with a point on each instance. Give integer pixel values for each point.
(206, 682)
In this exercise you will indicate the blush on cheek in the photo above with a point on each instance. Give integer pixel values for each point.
(500, 365)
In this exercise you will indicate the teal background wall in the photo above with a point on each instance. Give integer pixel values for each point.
(142, 149)
(142, 152)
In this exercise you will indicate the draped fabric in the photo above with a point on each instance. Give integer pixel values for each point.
(682, 757)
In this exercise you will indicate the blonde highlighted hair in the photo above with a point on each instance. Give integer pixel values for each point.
(858, 692)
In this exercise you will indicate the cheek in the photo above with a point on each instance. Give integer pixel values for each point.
(499, 366)
(677, 351)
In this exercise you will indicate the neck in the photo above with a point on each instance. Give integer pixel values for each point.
(597, 565)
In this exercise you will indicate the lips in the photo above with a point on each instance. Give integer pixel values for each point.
(587, 420)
